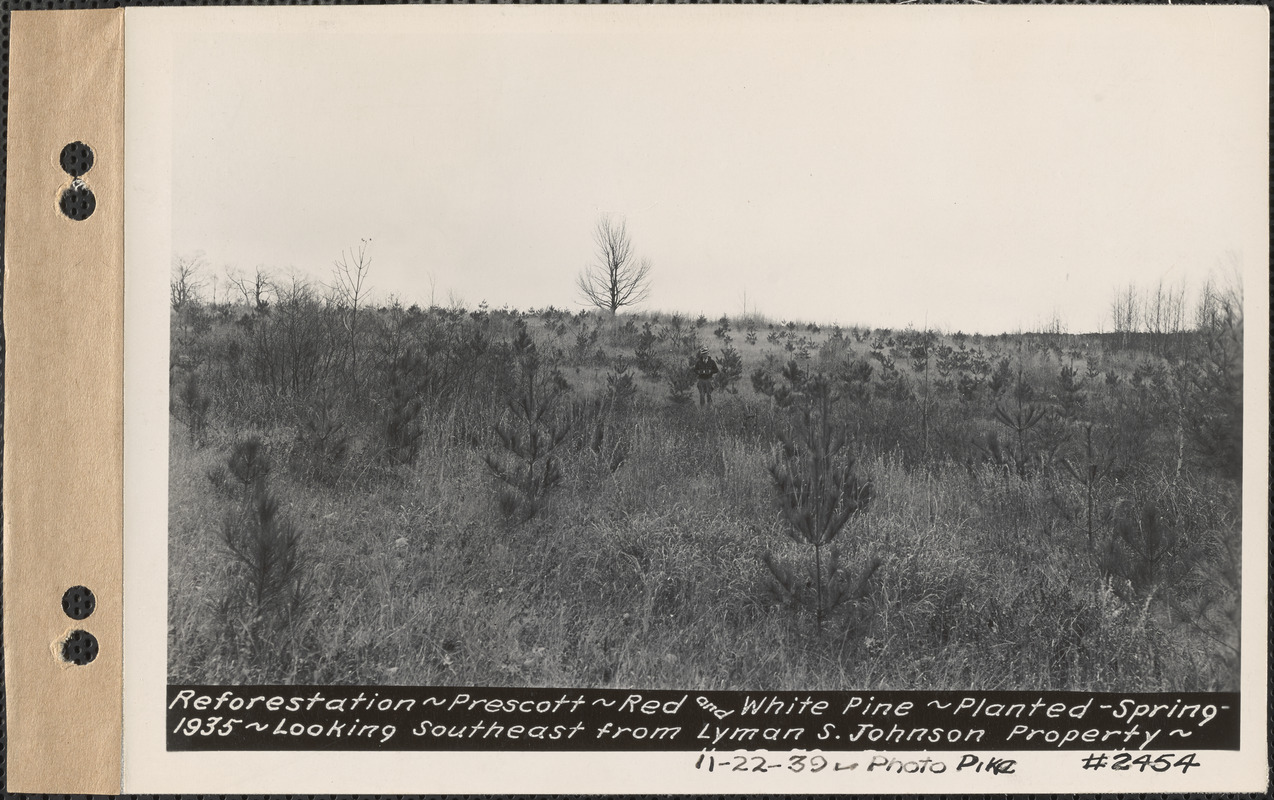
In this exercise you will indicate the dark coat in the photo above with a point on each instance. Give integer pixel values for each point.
(705, 368)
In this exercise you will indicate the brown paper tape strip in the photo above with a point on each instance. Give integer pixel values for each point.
(63, 425)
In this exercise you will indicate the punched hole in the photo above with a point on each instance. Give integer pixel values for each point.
(78, 201)
(78, 602)
(80, 648)
(77, 159)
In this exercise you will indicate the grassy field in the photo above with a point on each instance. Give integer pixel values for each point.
(1046, 511)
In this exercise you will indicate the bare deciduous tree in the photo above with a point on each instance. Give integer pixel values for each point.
(618, 278)
(185, 282)
(255, 290)
(350, 290)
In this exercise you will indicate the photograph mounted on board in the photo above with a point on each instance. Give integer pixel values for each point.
(521, 354)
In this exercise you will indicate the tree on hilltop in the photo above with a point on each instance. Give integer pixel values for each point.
(617, 278)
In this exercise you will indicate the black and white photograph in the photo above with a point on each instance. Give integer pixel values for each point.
(537, 353)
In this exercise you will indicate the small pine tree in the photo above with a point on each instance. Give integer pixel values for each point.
(1002, 378)
(1089, 475)
(528, 470)
(1070, 392)
(620, 387)
(195, 405)
(1140, 551)
(730, 370)
(647, 361)
(402, 426)
(322, 445)
(260, 538)
(248, 462)
(1214, 408)
(1021, 421)
(969, 386)
(819, 492)
(681, 379)
(855, 377)
(270, 588)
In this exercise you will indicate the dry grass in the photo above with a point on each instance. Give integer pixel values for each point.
(651, 576)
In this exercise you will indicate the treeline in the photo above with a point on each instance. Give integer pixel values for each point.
(1159, 319)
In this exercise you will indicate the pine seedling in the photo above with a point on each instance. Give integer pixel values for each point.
(644, 353)
(1089, 474)
(402, 426)
(763, 382)
(248, 462)
(1001, 378)
(1070, 391)
(681, 379)
(1140, 550)
(996, 453)
(272, 589)
(818, 486)
(620, 387)
(530, 435)
(195, 404)
(265, 542)
(1214, 410)
(855, 377)
(787, 587)
(608, 450)
(322, 444)
(1026, 417)
(731, 370)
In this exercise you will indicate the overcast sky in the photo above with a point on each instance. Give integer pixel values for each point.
(967, 168)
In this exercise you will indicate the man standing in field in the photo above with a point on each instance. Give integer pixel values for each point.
(705, 368)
